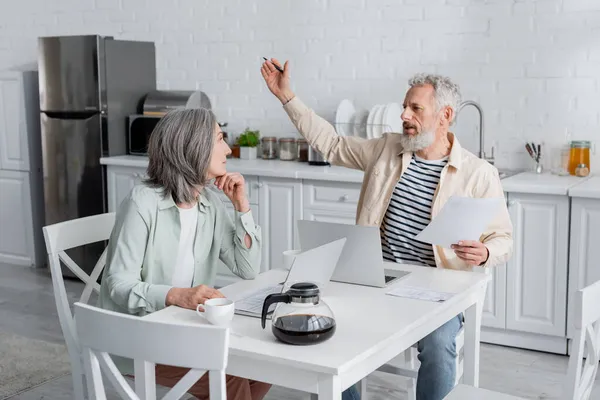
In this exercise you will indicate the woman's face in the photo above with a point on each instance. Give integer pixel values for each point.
(218, 159)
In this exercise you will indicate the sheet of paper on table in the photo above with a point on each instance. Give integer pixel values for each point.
(413, 292)
(461, 218)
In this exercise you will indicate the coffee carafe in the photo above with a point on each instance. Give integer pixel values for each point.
(300, 316)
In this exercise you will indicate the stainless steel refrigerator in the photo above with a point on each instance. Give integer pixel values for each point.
(88, 85)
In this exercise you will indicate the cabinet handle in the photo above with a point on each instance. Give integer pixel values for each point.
(137, 175)
(259, 185)
(512, 203)
(344, 198)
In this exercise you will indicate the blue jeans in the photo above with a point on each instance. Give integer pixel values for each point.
(437, 354)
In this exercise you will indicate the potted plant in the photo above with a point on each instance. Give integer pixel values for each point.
(248, 142)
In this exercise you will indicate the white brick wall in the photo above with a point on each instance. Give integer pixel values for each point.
(533, 64)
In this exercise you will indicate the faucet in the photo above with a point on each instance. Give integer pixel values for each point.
(481, 139)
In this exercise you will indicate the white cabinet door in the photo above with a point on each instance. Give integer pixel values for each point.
(14, 154)
(280, 205)
(16, 228)
(494, 308)
(536, 293)
(120, 181)
(338, 217)
(584, 263)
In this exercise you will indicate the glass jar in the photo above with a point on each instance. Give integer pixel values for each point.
(302, 150)
(582, 170)
(269, 148)
(287, 149)
(580, 154)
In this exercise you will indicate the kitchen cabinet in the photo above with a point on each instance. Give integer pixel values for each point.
(14, 146)
(120, 181)
(21, 179)
(16, 229)
(536, 295)
(494, 308)
(584, 263)
(280, 206)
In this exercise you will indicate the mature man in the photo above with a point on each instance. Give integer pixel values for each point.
(408, 178)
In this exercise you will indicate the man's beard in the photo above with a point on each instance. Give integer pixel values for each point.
(418, 141)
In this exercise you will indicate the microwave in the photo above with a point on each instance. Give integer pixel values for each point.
(139, 129)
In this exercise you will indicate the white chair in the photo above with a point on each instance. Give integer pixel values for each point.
(64, 236)
(103, 333)
(585, 354)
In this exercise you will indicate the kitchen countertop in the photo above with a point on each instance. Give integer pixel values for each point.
(546, 183)
(524, 182)
(259, 167)
(589, 189)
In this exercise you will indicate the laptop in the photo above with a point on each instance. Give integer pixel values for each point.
(315, 265)
(361, 261)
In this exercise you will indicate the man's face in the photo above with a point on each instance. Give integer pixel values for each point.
(419, 118)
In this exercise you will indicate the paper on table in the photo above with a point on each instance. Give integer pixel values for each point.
(418, 293)
(461, 218)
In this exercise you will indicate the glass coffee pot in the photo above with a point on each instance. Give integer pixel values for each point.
(300, 316)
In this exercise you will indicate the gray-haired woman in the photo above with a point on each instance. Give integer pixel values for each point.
(171, 231)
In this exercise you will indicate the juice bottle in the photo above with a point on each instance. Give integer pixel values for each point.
(580, 154)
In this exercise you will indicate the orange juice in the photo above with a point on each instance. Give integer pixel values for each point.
(580, 154)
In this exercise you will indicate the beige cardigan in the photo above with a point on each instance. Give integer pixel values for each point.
(384, 161)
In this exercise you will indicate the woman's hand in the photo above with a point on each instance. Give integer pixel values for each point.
(471, 251)
(277, 82)
(191, 297)
(234, 187)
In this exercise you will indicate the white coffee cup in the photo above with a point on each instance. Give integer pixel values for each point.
(217, 311)
(288, 258)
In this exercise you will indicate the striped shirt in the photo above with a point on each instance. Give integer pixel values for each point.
(409, 212)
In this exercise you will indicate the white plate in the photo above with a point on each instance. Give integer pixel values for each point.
(343, 118)
(377, 128)
(392, 118)
(360, 123)
(370, 121)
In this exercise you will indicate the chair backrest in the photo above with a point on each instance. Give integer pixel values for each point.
(197, 346)
(581, 374)
(64, 236)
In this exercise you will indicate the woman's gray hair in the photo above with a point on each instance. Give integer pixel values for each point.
(179, 150)
(447, 93)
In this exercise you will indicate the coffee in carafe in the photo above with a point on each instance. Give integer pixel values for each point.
(300, 317)
(294, 329)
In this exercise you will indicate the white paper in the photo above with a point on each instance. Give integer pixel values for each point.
(418, 293)
(461, 218)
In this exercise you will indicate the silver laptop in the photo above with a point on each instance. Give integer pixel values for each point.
(361, 261)
(315, 265)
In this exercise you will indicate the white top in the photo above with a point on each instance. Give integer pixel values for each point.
(259, 167)
(184, 267)
(376, 327)
(589, 188)
(546, 183)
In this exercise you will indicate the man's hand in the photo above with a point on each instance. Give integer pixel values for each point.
(471, 251)
(277, 82)
(190, 298)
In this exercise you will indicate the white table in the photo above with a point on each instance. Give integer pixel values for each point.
(372, 328)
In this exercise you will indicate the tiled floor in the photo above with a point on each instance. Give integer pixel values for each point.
(27, 308)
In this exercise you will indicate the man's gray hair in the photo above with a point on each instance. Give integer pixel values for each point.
(180, 150)
(447, 93)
